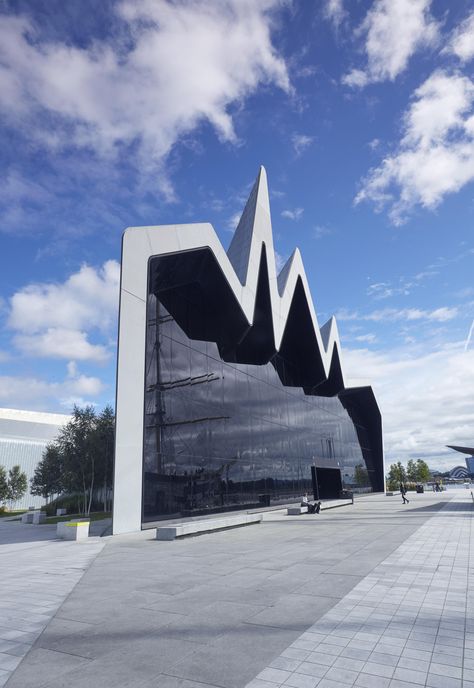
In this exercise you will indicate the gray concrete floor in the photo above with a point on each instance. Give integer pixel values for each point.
(214, 610)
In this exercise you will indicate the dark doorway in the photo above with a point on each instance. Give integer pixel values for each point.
(327, 482)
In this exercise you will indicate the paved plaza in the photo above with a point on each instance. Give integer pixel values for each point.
(374, 595)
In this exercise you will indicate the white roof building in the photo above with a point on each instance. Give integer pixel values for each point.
(23, 438)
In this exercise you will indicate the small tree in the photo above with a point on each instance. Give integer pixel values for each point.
(412, 471)
(104, 441)
(418, 471)
(3, 485)
(17, 484)
(396, 475)
(77, 443)
(422, 471)
(47, 480)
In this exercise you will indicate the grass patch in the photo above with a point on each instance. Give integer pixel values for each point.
(15, 512)
(95, 516)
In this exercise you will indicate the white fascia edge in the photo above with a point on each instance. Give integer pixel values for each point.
(139, 244)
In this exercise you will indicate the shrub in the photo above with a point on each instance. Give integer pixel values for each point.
(72, 504)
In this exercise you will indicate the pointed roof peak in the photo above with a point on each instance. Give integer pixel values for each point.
(284, 272)
(239, 249)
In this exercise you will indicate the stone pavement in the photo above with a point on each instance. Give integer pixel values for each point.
(406, 624)
(219, 610)
(37, 573)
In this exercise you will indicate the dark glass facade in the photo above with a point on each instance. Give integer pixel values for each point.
(223, 435)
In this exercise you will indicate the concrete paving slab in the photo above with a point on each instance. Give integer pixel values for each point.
(38, 572)
(230, 604)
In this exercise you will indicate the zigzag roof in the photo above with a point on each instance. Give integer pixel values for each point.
(252, 242)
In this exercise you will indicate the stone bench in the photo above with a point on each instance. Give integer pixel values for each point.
(39, 517)
(296, 510)
(61, 512)
(27, 517)
(205, 526)
(73, 530)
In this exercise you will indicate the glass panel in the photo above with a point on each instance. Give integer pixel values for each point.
(222, 436)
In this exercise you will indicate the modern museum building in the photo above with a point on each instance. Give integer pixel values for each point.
(229, 394)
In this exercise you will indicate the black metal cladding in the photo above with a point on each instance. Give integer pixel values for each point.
(229, 421)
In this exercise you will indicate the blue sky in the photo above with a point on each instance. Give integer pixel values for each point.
(142, 112)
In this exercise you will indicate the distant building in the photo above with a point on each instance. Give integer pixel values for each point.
(469, 459)
(459, 473)
(23, 438)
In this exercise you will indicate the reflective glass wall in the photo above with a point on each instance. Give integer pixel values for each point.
(222, 436)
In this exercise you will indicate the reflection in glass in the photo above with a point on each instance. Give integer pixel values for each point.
(222, 436)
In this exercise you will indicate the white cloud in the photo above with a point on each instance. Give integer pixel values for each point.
(436, 154)
(56, 320)
(462, 40)
(381, 290)
(293, 214)
(301, 142)
(393, 32)
(335, 12)
(385, 290)
(58, 342)
(320, 231)
(233, 221)
(184, 63)
(367, 338)
(88, 298)
(425, 399)
(38, 394)
(442, 314)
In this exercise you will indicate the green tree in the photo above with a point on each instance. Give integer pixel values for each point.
(423, 471)
(17, 484)
(418, 471)
(47, 480)
(76, 443)
(396, 475)
(412, 471)
(3, 485)
(104, 441)
(80, 460)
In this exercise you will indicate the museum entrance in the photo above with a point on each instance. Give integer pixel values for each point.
(327, 482)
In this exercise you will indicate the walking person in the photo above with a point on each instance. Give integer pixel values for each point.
(403, 492)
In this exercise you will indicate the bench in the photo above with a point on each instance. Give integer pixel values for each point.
(73, 530)
(61, 512)
(296, 510)
(205, 526)
(27, 517)
(39, 517)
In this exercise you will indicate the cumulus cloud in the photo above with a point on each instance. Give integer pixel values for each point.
(435, 156)
(462, 40)
(38, 394)
(56, 320)
(425, 399)
(183, 64)
(294, 215)
(56, 342)
(392, 32)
